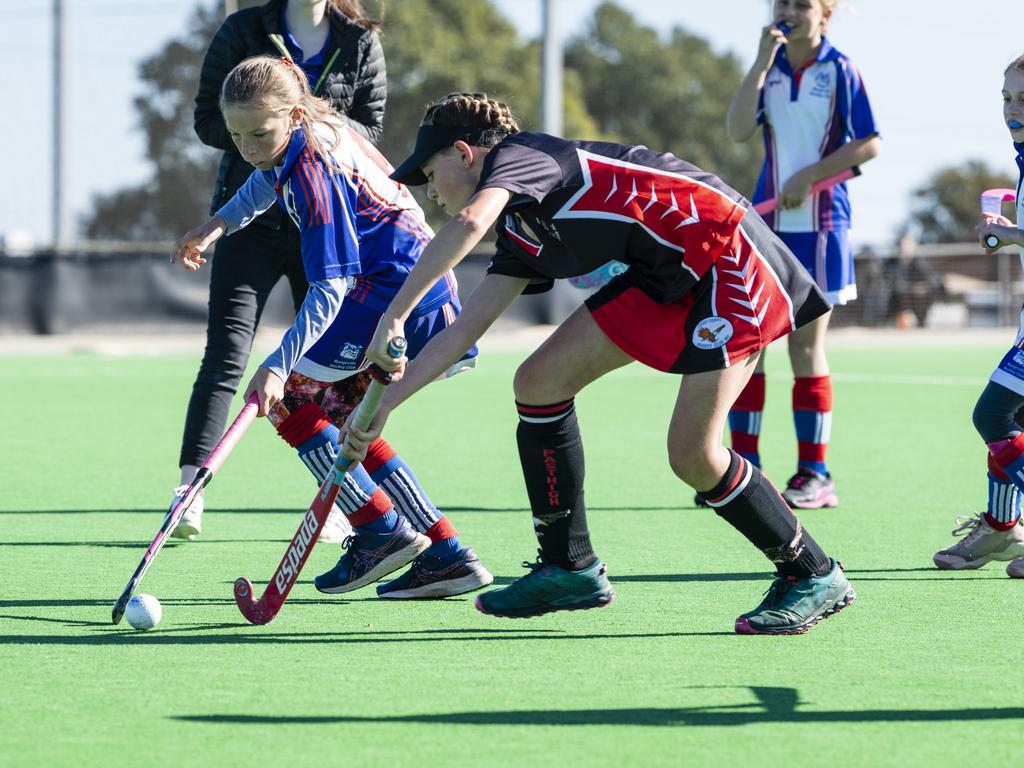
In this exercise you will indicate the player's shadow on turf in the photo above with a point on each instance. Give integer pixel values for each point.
(726, 715)
(165, 637)
(668, 577)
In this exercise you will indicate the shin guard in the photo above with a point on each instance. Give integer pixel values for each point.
(746, 500)
(551, 453)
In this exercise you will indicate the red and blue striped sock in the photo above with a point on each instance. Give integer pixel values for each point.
(812, 418)
(310, 432)
(745, 419)
(387, 469)
(1003, 499)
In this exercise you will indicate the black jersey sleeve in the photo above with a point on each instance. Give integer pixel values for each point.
(521, 170)
(506, 262)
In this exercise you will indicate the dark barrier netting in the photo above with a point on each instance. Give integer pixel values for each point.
(118, 288)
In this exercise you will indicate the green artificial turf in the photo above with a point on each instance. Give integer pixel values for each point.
(923, 670)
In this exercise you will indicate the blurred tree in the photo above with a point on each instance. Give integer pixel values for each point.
(437, 47)
(669, 94)
(176, 196)
(946, 206)
(622, 82)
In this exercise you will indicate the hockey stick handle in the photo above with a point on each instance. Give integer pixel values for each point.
(371, 400)
(769, 205)
(233, 435)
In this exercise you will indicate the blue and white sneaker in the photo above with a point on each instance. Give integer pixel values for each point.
(371, 556)
(431, 576)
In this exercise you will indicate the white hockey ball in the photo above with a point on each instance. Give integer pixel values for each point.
(143, 612)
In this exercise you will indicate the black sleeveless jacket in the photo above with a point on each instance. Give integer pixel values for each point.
(355, 82)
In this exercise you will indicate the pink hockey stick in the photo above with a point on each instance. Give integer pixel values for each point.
(264, 610)
(769, 205)
(202, 479)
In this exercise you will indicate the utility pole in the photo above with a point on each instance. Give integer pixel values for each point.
(58, 214)
(551, 71)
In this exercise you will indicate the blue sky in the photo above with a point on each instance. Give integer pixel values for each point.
(933, 71)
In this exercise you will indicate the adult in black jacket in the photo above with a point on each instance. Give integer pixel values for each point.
(337, 47)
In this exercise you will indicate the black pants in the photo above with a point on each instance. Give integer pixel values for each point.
(246, 266)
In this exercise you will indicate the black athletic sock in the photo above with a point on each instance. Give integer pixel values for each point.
(750, 504)
(551, 452)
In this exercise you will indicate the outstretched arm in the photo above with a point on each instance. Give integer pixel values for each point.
(490, 299)
(451, 245)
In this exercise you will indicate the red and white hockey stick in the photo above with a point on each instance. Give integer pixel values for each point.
(178, 507)
(769, 205)
(264, 610)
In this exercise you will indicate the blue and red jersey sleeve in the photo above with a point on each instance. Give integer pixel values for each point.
(330, 244)
(853, 104)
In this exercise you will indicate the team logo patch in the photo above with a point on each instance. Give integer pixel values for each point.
(1018, 358)
(712, 332)
(350, 352)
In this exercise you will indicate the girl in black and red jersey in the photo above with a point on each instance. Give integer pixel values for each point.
(708, 286)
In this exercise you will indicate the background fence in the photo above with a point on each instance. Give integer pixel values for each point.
(131, 288)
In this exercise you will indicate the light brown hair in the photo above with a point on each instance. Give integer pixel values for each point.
(279, 85)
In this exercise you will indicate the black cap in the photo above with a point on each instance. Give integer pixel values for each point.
(431, 139)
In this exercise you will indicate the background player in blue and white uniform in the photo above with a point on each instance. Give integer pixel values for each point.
(816, 119)
(997, 533)
(707, 287)
(361, 234)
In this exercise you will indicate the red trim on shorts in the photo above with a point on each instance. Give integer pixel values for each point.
(378, 506)
(664, 339)
(307, 420)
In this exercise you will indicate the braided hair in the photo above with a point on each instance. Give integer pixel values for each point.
(474, 110)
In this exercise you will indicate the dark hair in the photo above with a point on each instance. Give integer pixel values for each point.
(473, 110)
(354, 10)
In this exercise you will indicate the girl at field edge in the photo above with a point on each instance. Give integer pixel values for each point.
(361, 233)
(707, 287)
(997, 533)
(812, 107)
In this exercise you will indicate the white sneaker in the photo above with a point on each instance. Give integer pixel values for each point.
(190, 524)
(336, 528)
(981, 543)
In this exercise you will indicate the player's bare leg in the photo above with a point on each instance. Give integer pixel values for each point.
(567, 575)
(809, 586)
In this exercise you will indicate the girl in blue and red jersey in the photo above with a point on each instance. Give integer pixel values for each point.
(814, 112)
(997, 533)
(707, 286)
(361, 234)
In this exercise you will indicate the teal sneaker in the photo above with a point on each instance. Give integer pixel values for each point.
(548, 588)
(792, 605)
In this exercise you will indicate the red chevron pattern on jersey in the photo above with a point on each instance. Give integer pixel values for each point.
(678, 211)
(750, 295)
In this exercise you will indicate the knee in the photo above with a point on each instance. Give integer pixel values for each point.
(990, 422)
(690, 462)
(531, 384)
